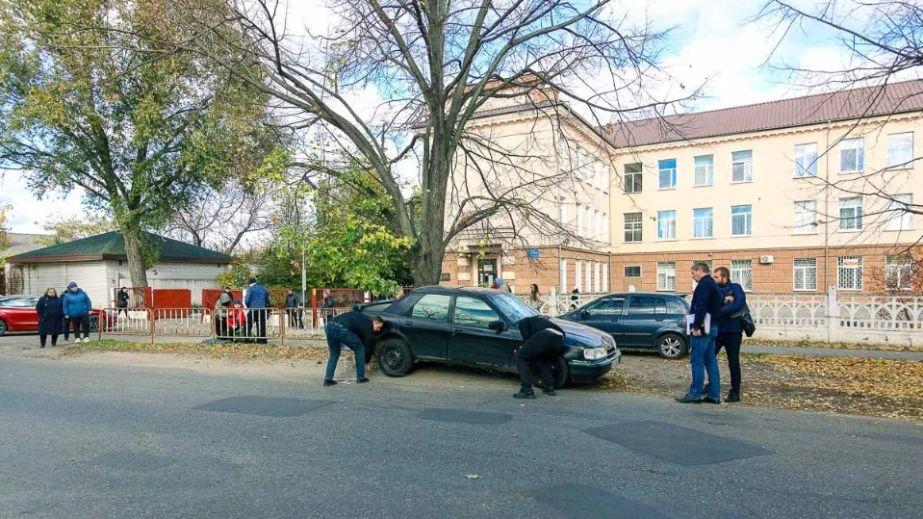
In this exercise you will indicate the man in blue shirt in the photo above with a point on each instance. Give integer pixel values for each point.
(730, 333)
(706, 301)
(257, 302)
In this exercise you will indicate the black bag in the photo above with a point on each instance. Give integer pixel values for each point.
(746, 320)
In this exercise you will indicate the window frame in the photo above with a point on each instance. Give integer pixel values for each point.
(671, 212)
(671, 265)
(840, 268)
(859, 155)
(799, 160)
(710, 222)
(709, 171)
(905, 267)
(903, 217)
(748, 285)
(857, 215)
(908, 164)
(802, 268)
(455, 322)
(625, 271)
(660, 171)
(449, 308)
(640, 227)
(633, 178)
(797, 227)
(749, 220)
(748, 166)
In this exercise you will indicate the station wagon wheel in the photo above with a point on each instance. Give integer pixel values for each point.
(671, 346)
(2, 327)
(394, 358)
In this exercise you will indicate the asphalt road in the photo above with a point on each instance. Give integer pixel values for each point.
(84, 439)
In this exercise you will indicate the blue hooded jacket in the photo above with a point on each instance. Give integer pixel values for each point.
(257, 297)
(75, 304)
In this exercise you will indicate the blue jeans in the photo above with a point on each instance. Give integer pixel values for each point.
(702, 357)
(337, 337)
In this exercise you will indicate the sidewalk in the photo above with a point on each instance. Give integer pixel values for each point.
(832, 352)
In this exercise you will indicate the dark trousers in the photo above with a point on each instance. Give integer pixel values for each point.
(536, 354)
(731, 343)
(81, 322)
(67, 328)
(120, 310)
(221, 325)
(294, 318)
(43, 338)
(337, 337)
(257, 316)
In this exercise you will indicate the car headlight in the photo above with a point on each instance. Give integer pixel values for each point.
(594, 353)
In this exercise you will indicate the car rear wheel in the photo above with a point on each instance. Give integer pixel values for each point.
(560, 373)
(671, 346)
(394, 358)
(3, 328)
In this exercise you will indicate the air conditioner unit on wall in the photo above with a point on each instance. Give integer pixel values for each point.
(767, 260)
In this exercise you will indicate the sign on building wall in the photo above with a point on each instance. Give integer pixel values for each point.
(533, 254)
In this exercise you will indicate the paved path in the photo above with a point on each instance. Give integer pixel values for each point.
(831, 352)
(84, 438)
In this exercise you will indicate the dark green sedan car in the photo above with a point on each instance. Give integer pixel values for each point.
(478, 327)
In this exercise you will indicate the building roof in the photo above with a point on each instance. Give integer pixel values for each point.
(906, 96)
(22, 242)
(111, 246)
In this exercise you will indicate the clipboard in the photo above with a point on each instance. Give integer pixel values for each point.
(690, 318)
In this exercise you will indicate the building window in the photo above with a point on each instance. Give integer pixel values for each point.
(633, 178)
(666, 276)
(849, 273)
(742, 273)
(578, 275)
(806, 160)
(633, 227)
(805, 217)
(805, 274)
(589, 276)
(563, 216)
(899, 216)
(900, 150)
(666, 225)
(704, 170)
(851, 213)
(597, 277)
(606, 278)
(899, 272)
(742, 166)
(562, 275)
(741, 220)
(702, 222)
(667, 175)
(632, 271)
(852, 155)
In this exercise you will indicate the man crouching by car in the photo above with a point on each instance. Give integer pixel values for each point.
(542, 342)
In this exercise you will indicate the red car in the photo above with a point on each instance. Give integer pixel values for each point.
(17, 314)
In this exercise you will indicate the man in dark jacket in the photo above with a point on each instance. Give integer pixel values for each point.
(76, 306)
(293, 309)
(121, 302)
(257, 302)
(542, 342)
(356, 331)
(50, 316)
(705, 307)
(730, 333)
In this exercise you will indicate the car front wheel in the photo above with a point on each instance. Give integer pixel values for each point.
(560, 373)
(671, 346)
(394, 358)
(3, 328)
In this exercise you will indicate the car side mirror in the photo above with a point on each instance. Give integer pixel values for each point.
(584, 314)
(497, 326)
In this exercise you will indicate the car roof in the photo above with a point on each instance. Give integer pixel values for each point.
(658, 294)
(439, 289)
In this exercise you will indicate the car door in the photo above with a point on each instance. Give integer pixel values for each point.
(20, 314)
(427, 327)
(473, 342)
(604, 314)
(644, 317)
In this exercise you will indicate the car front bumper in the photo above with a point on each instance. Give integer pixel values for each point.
(582, 370)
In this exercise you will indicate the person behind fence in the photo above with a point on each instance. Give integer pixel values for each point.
(730, 332)
(222, 305)
(293, 309)
(121, 302)
(543, 341)
(76, 306)
(703, 328)
(50, 317)
(65, 322)
(356, 331)
(257, 302)
(236, 320)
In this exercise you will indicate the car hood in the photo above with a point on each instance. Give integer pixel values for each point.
(582, 334)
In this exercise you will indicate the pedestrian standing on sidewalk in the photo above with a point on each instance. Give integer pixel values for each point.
(730, 332)
(543, 341)
(705, 307)
(76, 306)
(356, 331)
(293, 309)
(222, 305)
(50, 317)
(535, 298)
(121, 302)
(257, 302)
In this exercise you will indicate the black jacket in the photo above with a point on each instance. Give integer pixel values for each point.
(50, 315)
(291, 301)
(706, 299)
(536, 344)
(122, 299)
(358, 323)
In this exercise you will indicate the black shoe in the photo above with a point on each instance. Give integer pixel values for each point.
(689, 399)
(528, 395)
(549, 391)
(362, 380)
(329, 382)
(710, 400)
(733, 396)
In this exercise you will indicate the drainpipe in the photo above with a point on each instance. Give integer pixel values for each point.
(827, 227)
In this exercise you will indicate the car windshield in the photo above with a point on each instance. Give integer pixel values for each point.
(512, 307)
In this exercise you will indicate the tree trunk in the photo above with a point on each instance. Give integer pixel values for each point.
(426, 262)
(134, 249)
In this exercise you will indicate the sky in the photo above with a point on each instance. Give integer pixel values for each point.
(712, 43)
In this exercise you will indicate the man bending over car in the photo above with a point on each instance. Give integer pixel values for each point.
(543, 341)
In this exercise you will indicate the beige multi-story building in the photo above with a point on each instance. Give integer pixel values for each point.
(798, 195)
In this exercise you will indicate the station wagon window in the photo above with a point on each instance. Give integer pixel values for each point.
(647, 305)
(608, 306)
(474, 312)
(434, 307)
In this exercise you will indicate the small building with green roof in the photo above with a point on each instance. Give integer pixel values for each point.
(99, 265)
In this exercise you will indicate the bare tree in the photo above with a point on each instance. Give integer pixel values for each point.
(222, 218)
(437, 67)
(882, 43)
